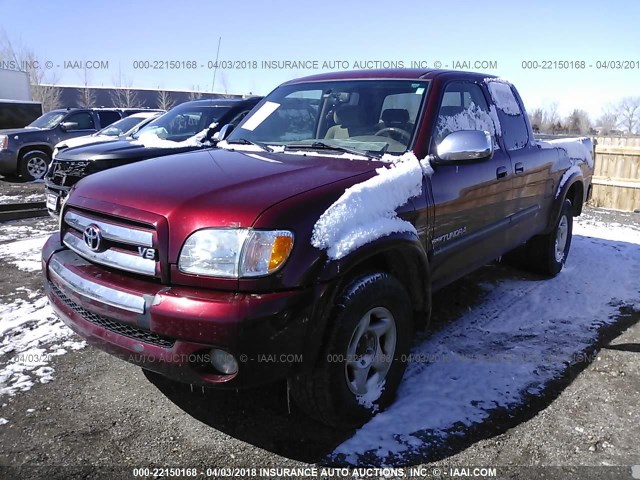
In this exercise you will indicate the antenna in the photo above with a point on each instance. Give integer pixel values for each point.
(215, 68)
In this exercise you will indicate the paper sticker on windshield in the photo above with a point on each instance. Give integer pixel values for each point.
(420, 91)
(260, 116)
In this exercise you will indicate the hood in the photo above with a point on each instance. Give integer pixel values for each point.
(86, 140)
(18, 131)
(117, 152)
(214, 187)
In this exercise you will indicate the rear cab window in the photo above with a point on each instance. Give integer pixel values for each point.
(515, 132)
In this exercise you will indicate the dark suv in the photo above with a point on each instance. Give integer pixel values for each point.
(189, 126)
(26, 152)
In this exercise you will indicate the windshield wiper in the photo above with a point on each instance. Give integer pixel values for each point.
(326, 146)
(244, 141)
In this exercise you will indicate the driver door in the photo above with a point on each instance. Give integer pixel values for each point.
(470, 197)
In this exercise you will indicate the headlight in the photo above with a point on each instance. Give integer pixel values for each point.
(235, 253)
(4, 142)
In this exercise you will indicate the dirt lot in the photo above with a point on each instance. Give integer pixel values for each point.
(16, 191)
(100, 411)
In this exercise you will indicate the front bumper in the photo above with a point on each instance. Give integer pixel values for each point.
(171, 330)
(8, 162)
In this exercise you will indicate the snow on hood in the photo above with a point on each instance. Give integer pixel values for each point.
(366, 211)
(150, 140)
(503, 96)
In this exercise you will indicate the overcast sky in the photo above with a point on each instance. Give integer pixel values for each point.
(507, 33)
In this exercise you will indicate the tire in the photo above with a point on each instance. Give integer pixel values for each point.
(34, 164)
(548, 253)
(365, 355)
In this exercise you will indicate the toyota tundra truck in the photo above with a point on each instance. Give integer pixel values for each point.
(307, 246)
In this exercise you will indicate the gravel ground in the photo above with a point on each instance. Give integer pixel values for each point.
(17, 191)
(100, 411)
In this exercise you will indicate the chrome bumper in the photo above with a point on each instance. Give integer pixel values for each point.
(95, 291)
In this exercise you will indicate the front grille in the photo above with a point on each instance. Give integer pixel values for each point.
(113, 325)
(67, 173)
(118, 244)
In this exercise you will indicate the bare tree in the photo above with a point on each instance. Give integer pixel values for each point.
(551, 120)
(628, 111)
(224, 79)
(578, 122)
(86, 95)
(608, 122)
(194, 94)
(43, 81)
(125, 97)
(536, 119)
(165, 102)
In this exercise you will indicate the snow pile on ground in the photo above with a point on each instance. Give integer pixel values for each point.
(523, 334)
(24, 254)
(366, 211)
(151, 140)
(31, 335)
(500, 91)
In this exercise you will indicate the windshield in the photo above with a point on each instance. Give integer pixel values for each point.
(48, 120)
(369, 116)
(181, 122)
(121, 126)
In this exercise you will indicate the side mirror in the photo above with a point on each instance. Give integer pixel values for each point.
(66, 126)
(225, 132)
(465, 145)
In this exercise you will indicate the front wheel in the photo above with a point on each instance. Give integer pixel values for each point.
(34, 164)
(365, 356)
(548, 253)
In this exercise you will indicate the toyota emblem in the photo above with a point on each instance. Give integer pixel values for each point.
(92, 237)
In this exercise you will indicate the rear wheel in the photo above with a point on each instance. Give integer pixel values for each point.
(34, 164)
(365, 357)
(547, 253)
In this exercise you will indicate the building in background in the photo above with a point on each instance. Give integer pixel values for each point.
(71, 96)
(14, 85)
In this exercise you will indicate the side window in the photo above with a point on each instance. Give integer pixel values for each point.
(107, 117)
(238, 118)
(83, 119)
(463, 107)
(513, 125)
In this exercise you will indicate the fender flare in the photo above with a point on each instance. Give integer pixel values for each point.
(411, 262)
(561, 196)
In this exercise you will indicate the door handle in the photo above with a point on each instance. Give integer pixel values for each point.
(501, 172)
(519, 167)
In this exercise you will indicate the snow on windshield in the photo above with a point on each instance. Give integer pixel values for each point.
(367, 211)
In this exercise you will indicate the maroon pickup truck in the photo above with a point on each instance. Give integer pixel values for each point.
(308, 244)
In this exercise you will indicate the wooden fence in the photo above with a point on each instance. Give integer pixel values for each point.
(616, 181)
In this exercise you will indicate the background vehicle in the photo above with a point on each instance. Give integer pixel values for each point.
(27, 152)
(166, 135)
(17, 113)
(124, 127)
(302, 251)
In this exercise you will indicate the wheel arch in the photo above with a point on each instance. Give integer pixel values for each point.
(399, 255)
